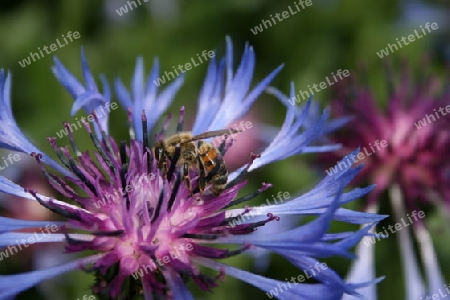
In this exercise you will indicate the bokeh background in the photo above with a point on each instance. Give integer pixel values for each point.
(322, 38)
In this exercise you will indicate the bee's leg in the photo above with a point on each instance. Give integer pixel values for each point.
(186, 177)
(163, 167)
(202, 178)
(161, 159)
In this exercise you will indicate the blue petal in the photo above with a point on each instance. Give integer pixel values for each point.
(314, 230)
(299, 291)
(21, 238)
(322, 250)
(137, 83)
(432, 269)
(88, 78)
(314, 114)
(122, 93)
(8, 224)
(337, 236)
(321, 149)
(363, 268)
(356, 217)
(316, 249)
(413, 278)
(152, 88)
(317, 200)
(11, 137)
(320, 197)
(306, 239)
(70, 82)
(310, 232)
(342, 214)
(329, 276)
(326, 275)
(261, 257)
(210, 96)
(145, 96)
(177, 286)
(137, 93)
(9, 187)
(229, 62)
(219, 107)
(86, 97)
(288, 142)
(106, 87)
(348, 164)
(156, 108)
(11, 285)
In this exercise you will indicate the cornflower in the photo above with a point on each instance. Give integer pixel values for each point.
(411, 167)
(155, 208)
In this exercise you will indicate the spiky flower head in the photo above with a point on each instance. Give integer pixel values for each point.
(153, 223)
(404, 143)
(403, 149)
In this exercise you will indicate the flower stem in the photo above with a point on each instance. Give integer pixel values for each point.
(413, 279)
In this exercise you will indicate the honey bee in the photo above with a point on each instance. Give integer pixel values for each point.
(203, 156)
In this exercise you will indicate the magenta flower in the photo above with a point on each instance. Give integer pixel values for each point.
(406, 145)
(404, 150)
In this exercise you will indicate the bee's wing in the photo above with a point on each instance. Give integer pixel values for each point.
(214, 133)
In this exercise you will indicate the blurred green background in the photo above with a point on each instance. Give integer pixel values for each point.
(322, 38)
